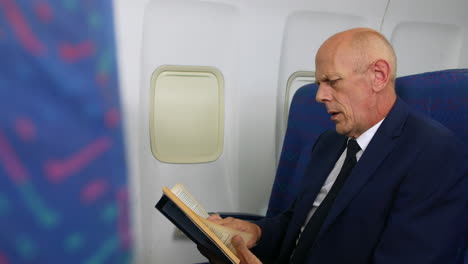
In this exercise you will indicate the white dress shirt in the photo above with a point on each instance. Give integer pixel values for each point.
(363, 140)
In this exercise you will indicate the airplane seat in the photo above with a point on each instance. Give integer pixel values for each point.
(442, 95)
(63, 178)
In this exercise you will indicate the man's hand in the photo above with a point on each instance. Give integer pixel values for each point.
(240, 225)
(244, 254)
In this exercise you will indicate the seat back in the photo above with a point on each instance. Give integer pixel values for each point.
(63, 185)
(442, 95)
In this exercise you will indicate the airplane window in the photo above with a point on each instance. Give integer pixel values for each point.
(187, 114)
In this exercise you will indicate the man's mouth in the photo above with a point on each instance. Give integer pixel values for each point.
(333, 114)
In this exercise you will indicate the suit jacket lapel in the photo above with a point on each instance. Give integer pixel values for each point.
(380, 146)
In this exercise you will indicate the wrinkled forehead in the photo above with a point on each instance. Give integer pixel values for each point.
(333, 57)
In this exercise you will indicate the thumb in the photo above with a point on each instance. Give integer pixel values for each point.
(244, 254)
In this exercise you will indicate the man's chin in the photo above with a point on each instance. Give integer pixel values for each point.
(341, 130)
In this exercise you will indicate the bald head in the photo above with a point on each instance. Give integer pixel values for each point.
(361, 46)
(355, 71)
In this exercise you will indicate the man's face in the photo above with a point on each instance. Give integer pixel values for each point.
(347, 95)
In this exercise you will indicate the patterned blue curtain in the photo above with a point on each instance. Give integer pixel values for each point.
(63, 187)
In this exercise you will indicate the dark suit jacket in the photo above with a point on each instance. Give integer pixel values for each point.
(404, 201)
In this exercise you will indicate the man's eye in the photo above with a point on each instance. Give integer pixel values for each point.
(333, 83)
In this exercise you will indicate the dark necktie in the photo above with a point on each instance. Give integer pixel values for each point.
(312, 229)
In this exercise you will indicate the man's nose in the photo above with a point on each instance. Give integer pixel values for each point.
(323, 93)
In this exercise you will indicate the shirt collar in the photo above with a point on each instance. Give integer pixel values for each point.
(364, 139)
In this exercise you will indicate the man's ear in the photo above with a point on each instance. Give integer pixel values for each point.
(381, 73)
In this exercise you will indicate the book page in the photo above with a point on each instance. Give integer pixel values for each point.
(183, 194)
(198, 220)
(225, 234)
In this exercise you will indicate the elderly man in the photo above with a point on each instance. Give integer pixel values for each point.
(388, 186)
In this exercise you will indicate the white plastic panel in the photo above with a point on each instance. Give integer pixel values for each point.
(433, 46)
(427, 35)
(187, 114)
(305, 31)
(184, 32)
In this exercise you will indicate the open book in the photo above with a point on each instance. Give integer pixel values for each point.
(181, 208)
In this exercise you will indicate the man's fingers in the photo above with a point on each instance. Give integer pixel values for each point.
(244, 254)
(213, 217)
(241, 225)
(228, 221)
